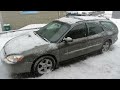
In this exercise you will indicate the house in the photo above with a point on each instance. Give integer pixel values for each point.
(18, 19)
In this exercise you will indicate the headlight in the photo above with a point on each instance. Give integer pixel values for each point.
(13, 59)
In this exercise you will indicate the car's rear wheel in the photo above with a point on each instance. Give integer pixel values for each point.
(44, 65)
(105, 47)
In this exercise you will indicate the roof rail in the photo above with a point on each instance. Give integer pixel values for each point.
(89, 17)
(107, 18)
(104, 17)
(75, 17)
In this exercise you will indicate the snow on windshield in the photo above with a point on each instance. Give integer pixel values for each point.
(68, 20)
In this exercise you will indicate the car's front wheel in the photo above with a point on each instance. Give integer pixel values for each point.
(44, 65)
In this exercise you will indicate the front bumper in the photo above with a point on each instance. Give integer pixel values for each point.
(17, 68)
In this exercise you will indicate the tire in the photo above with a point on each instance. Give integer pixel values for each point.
(43, 65)
(105, 47)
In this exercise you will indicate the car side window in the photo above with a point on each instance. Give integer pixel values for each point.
(109, 25)
(78, 31)
(94, 28)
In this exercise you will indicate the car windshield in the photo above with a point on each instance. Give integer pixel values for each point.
(53, 31)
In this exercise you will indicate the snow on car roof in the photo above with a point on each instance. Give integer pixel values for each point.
(89, 17)
(74, 19)
(69, 20)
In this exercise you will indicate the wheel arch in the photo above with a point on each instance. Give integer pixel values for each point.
(110, 40)
(53, 56)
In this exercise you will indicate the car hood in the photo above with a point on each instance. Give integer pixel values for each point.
(23, 43)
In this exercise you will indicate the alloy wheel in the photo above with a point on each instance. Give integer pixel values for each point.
(45, 66)
(105, 47)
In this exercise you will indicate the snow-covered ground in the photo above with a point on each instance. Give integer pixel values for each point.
(103, 66)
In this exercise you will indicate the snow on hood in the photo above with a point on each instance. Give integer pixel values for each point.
(23, 43)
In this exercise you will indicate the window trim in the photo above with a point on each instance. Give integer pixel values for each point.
(72, 26)
(64, 33)
(77, 25)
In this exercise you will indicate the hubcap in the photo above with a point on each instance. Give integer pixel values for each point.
(106, 47)
(45, 66)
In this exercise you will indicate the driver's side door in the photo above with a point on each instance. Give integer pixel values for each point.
(78, 46)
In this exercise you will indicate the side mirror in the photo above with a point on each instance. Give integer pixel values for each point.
(68, 39)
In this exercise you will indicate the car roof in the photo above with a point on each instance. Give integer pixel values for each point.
(69, 20)
(75, 19)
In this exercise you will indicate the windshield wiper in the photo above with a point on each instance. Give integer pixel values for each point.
(35, 32)
(45, 39)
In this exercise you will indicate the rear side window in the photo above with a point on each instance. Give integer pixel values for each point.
(94, 28)
(109, 25)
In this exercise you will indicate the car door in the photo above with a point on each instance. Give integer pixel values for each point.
(78, 46)
(95, 36)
